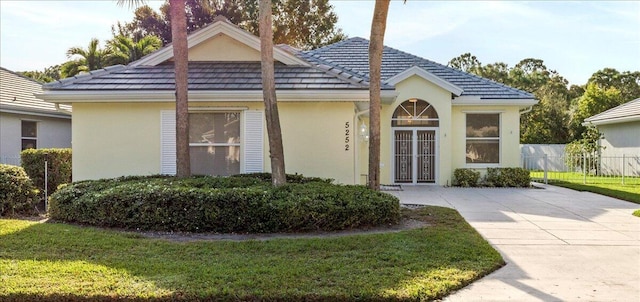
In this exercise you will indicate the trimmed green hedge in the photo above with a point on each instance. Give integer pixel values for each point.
(507, 177)
(17, 193)
(496, 177)
(466, 177)
(238, 204)
(59, 164)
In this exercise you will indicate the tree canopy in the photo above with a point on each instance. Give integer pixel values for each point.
(304, 24)
(561, 110)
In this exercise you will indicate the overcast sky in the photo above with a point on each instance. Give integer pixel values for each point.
(576, 38)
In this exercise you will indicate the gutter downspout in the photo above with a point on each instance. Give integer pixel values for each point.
(60, 109)
(526, 110)
(356, 160)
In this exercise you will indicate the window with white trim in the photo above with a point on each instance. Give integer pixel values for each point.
(29, 135)
(483, 138)
(214, 143)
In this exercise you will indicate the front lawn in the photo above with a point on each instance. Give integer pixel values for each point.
(60, 262)
(625, 192)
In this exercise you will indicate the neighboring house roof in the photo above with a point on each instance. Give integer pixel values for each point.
(627, 112)
(353, 55)
(17, 96)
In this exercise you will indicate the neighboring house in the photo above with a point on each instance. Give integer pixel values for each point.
(620, 127)
(434, 118)
(27, 122)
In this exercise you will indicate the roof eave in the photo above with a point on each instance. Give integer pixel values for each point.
(478, 101)
(54, 114)
(618, 120)
(146, 96)
(417, 71)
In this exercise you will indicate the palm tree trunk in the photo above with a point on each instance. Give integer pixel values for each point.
(376, 45)
(181, 61)
(274, 132)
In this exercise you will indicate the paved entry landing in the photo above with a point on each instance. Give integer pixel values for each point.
(559, 244)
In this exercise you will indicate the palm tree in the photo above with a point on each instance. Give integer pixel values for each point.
(278, 176)
(376, 46)
(181, 61)
(125, 50)
(88, 59)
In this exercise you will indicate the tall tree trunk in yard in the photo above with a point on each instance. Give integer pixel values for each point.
(181, 61)
(376, 45)
(274, 131)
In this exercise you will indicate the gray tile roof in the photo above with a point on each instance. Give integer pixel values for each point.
(340, 66)
(210, 76)
(625, 111)
(352, 56)
(16, 95)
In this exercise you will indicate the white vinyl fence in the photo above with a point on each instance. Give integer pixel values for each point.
(549, 163)
(10, 160)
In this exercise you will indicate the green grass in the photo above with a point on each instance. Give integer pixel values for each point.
(575, 177)
(608, 186)
(59, 262)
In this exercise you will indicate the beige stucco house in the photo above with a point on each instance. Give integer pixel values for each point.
(27, 122)
(434, 118)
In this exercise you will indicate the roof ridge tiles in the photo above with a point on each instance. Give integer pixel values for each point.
(392, 54)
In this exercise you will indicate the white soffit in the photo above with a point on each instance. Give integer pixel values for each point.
(217, 28)
(417, 71)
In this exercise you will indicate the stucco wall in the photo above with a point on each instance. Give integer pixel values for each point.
(115, 139)
(621, 138)
(118, 139)
(314, 139)
(52, 133)
(223, 48)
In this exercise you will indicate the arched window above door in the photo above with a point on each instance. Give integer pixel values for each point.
(415, 113)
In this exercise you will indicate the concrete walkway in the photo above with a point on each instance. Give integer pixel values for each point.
(559, 244)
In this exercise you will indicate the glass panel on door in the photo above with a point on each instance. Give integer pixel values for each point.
(426, 156)
(403, 156)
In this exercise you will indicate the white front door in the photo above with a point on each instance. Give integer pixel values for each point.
(414, 155)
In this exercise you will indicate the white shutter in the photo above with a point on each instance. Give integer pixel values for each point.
(168, 142)
(253, 147)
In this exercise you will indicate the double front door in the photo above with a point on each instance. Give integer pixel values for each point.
(414, 155)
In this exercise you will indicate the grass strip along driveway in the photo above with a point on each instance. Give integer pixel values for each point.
(61, 262)
(608, 186)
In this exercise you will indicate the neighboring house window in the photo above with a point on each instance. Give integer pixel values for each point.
(214, 143)
(483, 138)
(29, 135)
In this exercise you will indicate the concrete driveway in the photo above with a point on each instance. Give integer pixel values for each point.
(559, 244)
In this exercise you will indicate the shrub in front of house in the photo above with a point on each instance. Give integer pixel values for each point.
(507, 177)
(466, 177)
(18, 196)
(291, 178)
(238, 204)
(58, 162)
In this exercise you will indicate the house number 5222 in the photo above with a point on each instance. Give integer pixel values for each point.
(346, 136)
